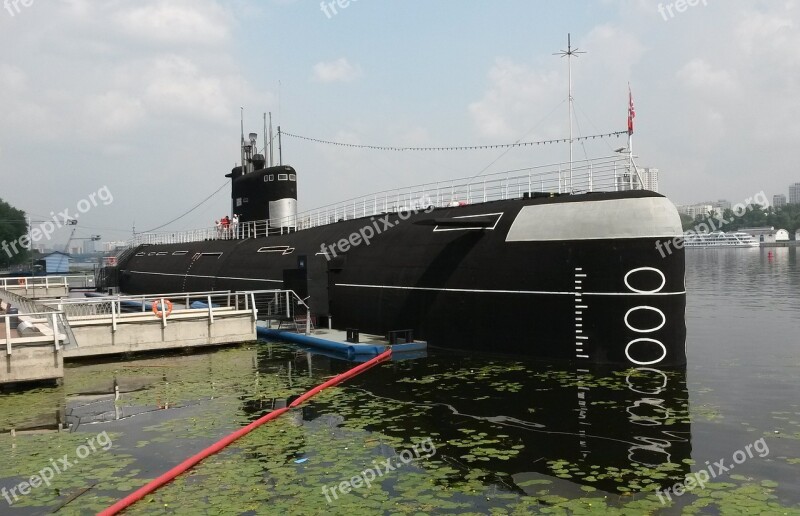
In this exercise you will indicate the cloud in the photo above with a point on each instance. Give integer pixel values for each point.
(521, 96)
(12, 79)
(339, 70)
(197, 22)
(114, 112)
(516, 93)
(700, 77)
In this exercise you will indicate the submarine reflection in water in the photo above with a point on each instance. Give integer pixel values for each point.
(617, 431)
(520, 422)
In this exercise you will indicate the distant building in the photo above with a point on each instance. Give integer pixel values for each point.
(696, 210)
(55, 263)
(649, 178)
(767, 234)
(111, 247)
(797, 235)
(722, 205)
(625, 180)
(779, 201)
(794, 193)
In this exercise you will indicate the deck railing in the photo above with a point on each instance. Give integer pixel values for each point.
(609, 173)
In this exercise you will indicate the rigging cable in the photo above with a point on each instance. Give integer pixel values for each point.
(502, 154)
(453, 148)
(191, 210)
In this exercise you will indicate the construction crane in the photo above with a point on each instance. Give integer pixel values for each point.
(70, 222)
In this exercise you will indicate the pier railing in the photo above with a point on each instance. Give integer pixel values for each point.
(39, 327)
(283, 307)
(65, 282)
(28, 305)
(26, 282)
(209, 301)
(609, 173)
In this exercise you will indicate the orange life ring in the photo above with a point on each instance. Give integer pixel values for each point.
(158, 312)
(21, 281)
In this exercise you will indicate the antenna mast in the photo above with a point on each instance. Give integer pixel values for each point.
(280, 149)
(241, 144)
(569, 53)
(271, 146)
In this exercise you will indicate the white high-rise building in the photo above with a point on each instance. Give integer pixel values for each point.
(696, 210)
(626, 181)
(111, 247)
(649, 178)
(794, 193)
(778, 201)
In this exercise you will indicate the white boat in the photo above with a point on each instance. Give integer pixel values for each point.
(719, 239)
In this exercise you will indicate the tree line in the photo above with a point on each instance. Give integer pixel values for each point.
(12, 226)
(786, 217)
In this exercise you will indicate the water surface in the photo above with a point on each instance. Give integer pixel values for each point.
(482, 434)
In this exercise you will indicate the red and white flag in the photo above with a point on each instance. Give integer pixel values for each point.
(631, 111)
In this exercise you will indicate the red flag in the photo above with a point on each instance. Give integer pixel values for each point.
(631, 111)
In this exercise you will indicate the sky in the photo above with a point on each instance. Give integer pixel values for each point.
(143, 97)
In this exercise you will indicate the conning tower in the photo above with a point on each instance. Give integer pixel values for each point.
(261, 193)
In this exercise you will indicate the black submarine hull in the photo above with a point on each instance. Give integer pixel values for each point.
(582, 278)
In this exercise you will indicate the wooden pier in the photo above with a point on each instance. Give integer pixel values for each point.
(40, 333)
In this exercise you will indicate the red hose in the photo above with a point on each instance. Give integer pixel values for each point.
(170, 475)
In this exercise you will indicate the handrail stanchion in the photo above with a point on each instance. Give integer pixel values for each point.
(8, 333)
(253, 306)
(163, 313)
(55, 330)
(114, 315)
(308, 319)
(210, 311)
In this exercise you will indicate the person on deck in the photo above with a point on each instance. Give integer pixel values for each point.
(235, 225)
(226, 222)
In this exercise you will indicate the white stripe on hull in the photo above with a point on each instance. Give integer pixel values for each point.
(205, 277)
(486, 291)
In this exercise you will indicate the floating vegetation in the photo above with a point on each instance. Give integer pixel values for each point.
(510, 437)
(98, 478)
